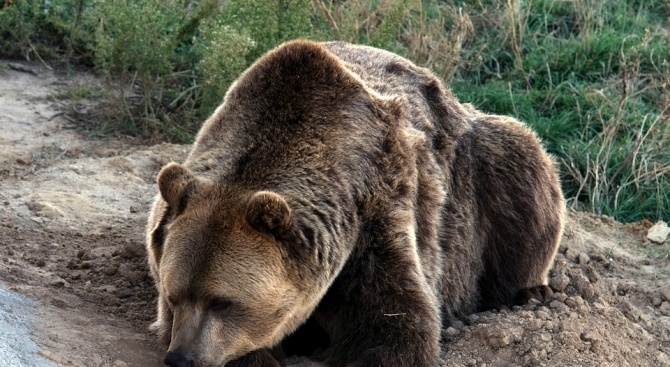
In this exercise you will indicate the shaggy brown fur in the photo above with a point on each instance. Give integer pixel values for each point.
(345, 187)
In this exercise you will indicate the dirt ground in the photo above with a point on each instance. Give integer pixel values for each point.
(72, 216)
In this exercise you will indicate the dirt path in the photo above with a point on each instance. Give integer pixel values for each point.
(73, 274)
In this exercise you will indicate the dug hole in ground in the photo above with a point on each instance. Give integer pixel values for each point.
(75, 288)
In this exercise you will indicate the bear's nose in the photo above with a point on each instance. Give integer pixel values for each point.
(176, 359)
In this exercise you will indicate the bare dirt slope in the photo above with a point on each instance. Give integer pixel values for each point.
(72, 214)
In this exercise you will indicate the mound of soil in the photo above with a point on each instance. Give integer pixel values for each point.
(72, 217)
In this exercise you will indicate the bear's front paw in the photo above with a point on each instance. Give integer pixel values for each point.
(258, 358)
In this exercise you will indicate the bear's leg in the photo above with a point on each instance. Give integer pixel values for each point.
(541, 293)
(163, 324)
(516, 266)
(379, 313)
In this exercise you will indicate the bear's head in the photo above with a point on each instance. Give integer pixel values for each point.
(224, 270)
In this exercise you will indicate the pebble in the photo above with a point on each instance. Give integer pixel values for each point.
(71, 264)
(549, 325)
(131, 250)
(584, 287)
(58, 282)
(535, 324)
(658, 233)
(570, 339)
(499, 337)
(664, 293)
(574, 302)
(450, 330)
(558, 306)
(559, 282)
(572, 255)
(665, 308)
(656, 300)
(472, 319)
(584, 258)
(110, 269)
(545, 337)
(84, 254)
(561, 297)
(125, 293)
(542, 314)
(458, 324)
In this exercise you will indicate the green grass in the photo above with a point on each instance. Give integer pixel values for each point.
(591, 77)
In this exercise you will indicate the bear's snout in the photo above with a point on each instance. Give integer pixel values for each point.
(177, 359)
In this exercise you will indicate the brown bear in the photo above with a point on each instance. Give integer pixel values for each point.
(343, 189)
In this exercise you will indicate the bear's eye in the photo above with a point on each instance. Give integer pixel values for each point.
(220, 304)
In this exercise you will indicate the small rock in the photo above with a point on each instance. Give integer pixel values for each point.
(656, 300)
(584, 287)
(58, 282)
(472, 319)
(131, 250)
(451, 332)
(125, 293)
(120, 363)
(658, 233)
(572, 255)
(590, 336)
(545, 337)
(457, 324)
(40, 263)
(664, 292)
(21, 68)
(125, 270)
(570, 339)
(662, 359)
(22, 161)
(558, 305)
(84, 254)
(71, 264)
(559, 282)
(535, 324)
(591, 274)
(665, 308)
(542, 314)
(499, 337)
(584, 258)
(110, 269)
(559, 296)
(570, 302)
(133, 209)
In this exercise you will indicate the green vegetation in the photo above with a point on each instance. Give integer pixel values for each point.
(592, 77)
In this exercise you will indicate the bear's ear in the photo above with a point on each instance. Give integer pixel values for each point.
(268, 212)
(175, 183)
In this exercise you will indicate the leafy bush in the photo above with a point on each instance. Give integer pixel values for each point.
(221, 63)
(32, 28)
